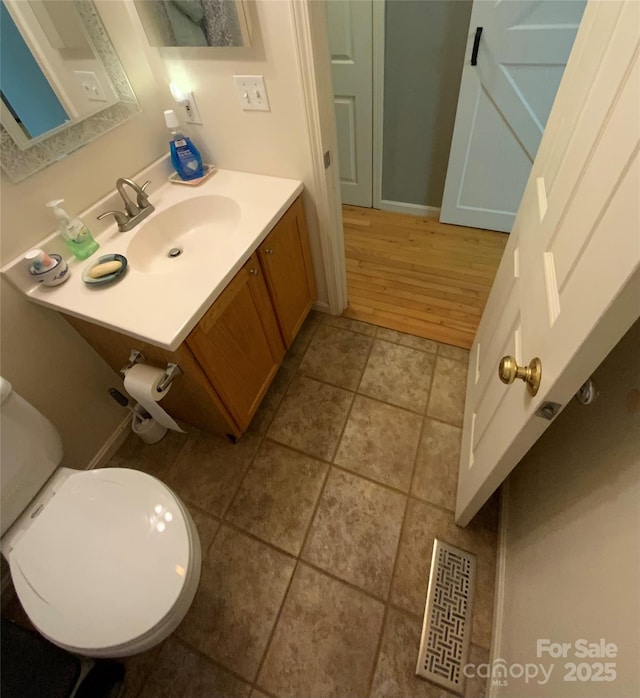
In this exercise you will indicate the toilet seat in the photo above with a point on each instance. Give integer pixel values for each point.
(106, 561)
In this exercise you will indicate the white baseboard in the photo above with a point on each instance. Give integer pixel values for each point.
(321, 306)
(498, 600)
(411, 209)
(111, 445)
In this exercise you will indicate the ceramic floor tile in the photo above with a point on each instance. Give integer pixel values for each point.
(181, 672)
(436, 475)
(208, 469)
(446, 401)
(355, 532)
(407, 340)
(336, 356)
(380, 441)
(448, 351)
(154, 459)
(296, 351)
(311, 417)
(398, 375)
(325, 642)
(278, 496)
(207, 528)
(137, 669)
(346, 323)
(424, 522)
(241, 590)
(395, 670)
(267, 409)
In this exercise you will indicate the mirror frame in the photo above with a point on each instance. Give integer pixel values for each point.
(20, 162)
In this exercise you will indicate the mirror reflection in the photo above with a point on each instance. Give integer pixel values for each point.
(61, 82)
(194, 22)
(49, 73)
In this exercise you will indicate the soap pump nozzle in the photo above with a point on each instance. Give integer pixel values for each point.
(58, 212)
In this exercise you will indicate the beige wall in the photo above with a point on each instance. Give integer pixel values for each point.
(573, 536)
(40, 354)
(63, 376)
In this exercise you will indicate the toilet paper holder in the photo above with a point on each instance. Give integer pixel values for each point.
(171, 371)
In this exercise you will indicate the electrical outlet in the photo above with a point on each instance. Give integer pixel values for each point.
(190, 110)
(252, 92)
(91, 85)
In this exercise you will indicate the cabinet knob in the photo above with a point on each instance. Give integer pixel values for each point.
(268, 251)
(253, 272)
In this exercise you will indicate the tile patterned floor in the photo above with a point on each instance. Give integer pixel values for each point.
(317, 526)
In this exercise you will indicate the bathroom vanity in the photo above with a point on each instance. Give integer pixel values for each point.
(219, 282)
(231, 356)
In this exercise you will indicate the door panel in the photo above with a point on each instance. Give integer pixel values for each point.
(568, 286)
(345, 108)
(286, 261)
(350, 27)
(503, 106)
(238, 344)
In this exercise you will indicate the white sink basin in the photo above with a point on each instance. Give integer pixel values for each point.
(184, 236)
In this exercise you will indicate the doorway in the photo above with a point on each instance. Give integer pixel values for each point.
(411, 272)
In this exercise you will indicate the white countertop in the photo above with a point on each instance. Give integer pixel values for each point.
(162, 308)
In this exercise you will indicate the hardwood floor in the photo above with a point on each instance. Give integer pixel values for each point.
(418, 275)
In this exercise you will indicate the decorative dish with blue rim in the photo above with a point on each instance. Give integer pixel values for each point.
(109, 277)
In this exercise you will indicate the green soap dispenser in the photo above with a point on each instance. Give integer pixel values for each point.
(74, 232)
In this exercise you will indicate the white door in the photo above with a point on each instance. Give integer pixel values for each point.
(503, 105)
(568, 286)
(350, 44)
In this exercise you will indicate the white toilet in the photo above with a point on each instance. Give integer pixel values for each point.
(105, 562)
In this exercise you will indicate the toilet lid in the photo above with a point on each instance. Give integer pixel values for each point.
(104, 561)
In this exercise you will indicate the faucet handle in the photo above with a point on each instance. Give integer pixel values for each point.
(120, 216)
(143, 199)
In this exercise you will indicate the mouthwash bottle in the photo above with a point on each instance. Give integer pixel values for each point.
(185, 158)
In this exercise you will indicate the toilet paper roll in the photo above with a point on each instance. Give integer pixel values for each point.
(141, 382)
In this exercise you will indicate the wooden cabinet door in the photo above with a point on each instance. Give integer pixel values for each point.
(237, 343)
(286, 260)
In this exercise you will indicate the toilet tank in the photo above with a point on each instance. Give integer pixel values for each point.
(30, 451)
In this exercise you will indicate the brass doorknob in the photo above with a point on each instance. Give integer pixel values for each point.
(508, 370)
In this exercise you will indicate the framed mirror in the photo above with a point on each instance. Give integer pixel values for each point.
(61, 82)
(194, 22)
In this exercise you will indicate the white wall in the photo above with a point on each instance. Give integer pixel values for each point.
(573, 536)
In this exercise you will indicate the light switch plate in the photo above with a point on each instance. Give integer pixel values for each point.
(91, 85)
(252, 92)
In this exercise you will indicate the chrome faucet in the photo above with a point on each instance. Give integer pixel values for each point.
(133, 212)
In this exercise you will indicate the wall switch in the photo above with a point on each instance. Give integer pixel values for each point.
(252, 92)
(90, 84)
(190, 110)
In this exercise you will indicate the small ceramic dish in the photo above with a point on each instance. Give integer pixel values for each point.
(55, 276)
(109, 277)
